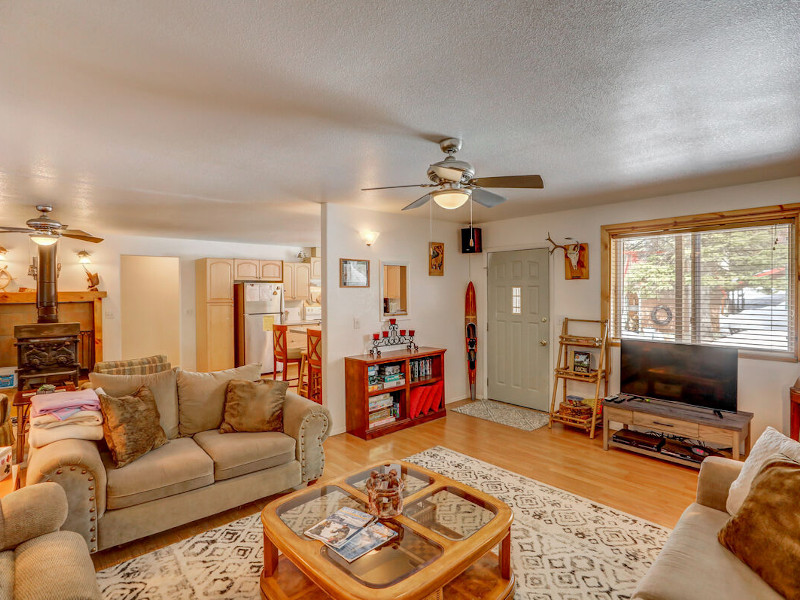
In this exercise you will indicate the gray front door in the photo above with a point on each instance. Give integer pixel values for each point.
(519, 325)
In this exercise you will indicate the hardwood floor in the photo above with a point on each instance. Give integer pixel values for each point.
(565, 458)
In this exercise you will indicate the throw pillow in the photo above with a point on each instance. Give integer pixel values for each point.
(131, 425)
(201, 396)
(164, 388)
(764, 534)
(771, 442)
(254, 406)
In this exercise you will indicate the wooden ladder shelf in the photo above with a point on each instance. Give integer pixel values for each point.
(564, 372)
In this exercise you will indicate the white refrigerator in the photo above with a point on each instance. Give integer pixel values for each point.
(257, 306)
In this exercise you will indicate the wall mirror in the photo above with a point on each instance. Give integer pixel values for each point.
(394, 289)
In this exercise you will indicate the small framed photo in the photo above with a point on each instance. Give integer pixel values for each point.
(581, 361)
(436, 259)
(353, 273)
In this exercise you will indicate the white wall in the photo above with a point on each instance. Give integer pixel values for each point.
(106, 261)
(436, 304)
(763, 384)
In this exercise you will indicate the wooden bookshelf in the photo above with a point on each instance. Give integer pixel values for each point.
(358, 394)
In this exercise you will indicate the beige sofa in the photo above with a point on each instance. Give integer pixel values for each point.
(693, 565)
(37, 561)
(192, 476)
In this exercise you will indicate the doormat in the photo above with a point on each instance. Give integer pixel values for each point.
(526, 419)
(563, 546)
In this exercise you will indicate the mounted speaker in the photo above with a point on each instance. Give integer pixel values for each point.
(471, 244)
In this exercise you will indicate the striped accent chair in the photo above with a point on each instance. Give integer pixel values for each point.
(135, 366)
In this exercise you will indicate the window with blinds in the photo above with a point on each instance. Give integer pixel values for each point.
(721, 286)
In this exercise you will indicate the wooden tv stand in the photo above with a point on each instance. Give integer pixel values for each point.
(692, 422)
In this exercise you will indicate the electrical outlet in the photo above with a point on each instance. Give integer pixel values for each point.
(356, 323)
(109, 315)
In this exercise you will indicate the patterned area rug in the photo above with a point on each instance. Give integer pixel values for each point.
(564, 547)
(505, 414)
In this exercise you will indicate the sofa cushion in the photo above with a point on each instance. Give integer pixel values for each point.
(130, 425)
(201, 396)
(770, 442)
(69, 574)
(7, 575)
(164, 388)
(176, 467)
(254, 406)
(237, 454)
(693, 565)
(765, 533)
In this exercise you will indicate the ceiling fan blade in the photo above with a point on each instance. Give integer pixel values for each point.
(487, 199)
(16, 229)
(511, 181)
(448, 173)
(392, 187)
(419, 202)
(80, 235)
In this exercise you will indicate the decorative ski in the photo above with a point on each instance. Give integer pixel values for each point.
(471, 331)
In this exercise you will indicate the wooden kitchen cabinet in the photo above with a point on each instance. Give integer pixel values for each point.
(296, 281)
(246, 269)
(316, 268)
(270, 270)
(214, 279)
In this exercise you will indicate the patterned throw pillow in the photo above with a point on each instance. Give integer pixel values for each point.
(765, 532)
(771, 442)
(254, 405)
(131, 425)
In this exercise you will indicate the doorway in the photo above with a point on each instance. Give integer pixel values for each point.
(150, 306)
(518, 340)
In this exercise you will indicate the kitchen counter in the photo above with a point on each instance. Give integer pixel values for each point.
(303, 323)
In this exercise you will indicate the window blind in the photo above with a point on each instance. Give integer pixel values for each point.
(729, 287)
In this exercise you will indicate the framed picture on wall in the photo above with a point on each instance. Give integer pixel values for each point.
(436, 259)
(353, 273)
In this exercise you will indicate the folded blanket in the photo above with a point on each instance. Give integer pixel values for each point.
(64, 404)
(81, 417)
(39, 436)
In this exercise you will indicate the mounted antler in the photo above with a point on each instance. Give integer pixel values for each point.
(571, 251)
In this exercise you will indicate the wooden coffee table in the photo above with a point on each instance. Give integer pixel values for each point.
(443, 549)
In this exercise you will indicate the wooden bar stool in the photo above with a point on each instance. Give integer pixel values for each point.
(314, 349)
(281, 353)
(302, 382)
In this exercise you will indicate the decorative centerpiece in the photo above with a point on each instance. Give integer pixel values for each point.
(385, 493)
(47, 388)
(393, 337)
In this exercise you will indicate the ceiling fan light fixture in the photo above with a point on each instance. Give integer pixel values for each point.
(44, 238)
(451, 198)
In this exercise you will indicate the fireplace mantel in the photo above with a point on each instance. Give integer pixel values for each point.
(96, 298)
(30, 297)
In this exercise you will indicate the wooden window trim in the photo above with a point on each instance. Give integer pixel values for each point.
(722, 219)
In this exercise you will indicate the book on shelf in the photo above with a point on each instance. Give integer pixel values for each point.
(388, 403)
(394, 377)
(393, 384)
(385, 421)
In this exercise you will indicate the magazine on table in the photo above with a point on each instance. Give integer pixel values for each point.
(370, 537)
(351, 533)
(338, 527)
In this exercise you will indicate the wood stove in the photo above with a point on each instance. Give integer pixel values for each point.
(47, 351)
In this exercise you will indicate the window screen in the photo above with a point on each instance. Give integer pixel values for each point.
(729, 287)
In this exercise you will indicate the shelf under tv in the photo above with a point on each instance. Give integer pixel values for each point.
(676, 418)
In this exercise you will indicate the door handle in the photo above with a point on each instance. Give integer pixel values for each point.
(543, 342)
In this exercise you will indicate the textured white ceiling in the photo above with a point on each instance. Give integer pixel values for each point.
(233, 120)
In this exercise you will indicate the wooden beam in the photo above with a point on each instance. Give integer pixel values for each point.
(63, 297)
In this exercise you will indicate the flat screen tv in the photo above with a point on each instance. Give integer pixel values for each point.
(700, 375)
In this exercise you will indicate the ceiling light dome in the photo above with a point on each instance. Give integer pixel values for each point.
(45, 238)
(451, 198)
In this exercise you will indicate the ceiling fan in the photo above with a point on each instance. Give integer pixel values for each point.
(456, 182)
(46, 231)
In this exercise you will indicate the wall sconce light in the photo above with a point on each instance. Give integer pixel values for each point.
(3, 251)
(369, 237)
(84, 257)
